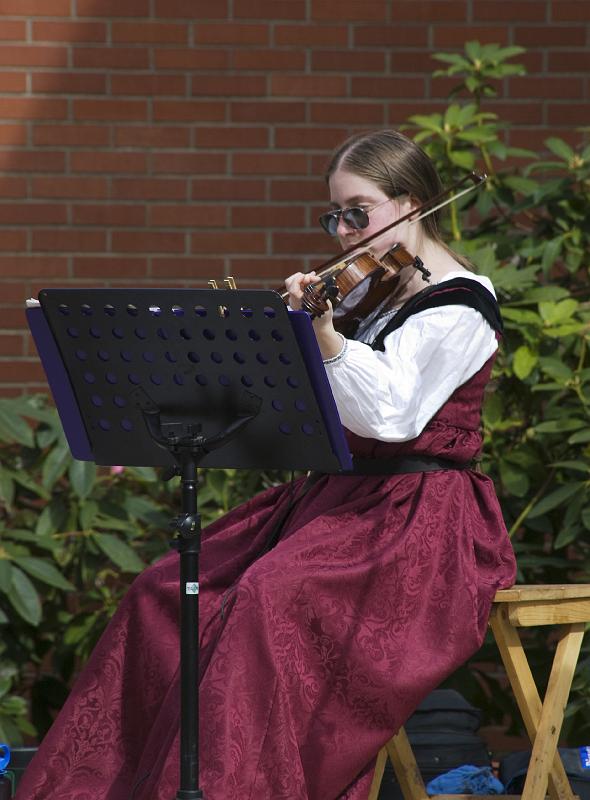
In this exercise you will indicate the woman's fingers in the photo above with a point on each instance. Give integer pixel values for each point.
(295, 285)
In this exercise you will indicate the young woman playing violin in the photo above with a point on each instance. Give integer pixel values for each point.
(330, 608)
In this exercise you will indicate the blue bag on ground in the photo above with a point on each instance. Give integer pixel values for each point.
(466, 780)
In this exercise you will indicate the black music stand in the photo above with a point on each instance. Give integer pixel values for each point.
(182, 378)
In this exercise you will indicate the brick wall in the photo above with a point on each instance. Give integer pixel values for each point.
(170, 141)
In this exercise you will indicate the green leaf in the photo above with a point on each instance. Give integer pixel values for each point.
(52, 518)
(580, 438)
(24, 597)
(5, 575)
(119, 552)
(514, 479)
(560, 148)
(82, 476)
(44, 571)
(560, 425)
(7, 487)
(524, 362)
(462, 158)
(566, 536)
(55, 464)
(556, 498)
(13, 428)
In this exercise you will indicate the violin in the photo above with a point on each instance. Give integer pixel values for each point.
(356, 281)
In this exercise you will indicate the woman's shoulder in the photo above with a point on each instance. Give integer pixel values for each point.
(461, 272)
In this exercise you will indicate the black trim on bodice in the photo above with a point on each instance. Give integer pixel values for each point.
(457, 291)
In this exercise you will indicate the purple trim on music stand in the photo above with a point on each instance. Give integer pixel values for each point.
(60, 386)
(300, 322)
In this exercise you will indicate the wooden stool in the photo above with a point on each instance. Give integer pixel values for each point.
(521, 606)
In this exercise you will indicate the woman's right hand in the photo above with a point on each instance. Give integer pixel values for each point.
(295, 284)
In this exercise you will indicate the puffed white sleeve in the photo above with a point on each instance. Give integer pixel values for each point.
(392, 395)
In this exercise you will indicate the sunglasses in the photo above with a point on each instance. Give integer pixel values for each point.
(355, 217)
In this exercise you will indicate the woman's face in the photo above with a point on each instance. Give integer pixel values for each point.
(348, 190)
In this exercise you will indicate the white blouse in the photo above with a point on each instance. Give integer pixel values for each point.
(392, 395)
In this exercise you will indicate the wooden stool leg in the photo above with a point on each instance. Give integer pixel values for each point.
(378, 774)
(406, 768)
(558, 689)
(528, 700)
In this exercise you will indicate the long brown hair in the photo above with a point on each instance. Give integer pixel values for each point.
(397, 165)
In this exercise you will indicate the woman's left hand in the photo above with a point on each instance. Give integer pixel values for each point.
(329, 340)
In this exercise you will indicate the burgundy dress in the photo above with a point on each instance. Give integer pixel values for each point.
(314, 653)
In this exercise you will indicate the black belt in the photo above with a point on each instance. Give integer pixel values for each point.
(404, 464)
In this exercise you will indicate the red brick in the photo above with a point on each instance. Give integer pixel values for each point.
(11, 30)
(274, 269)
(308, 85)
(13, 134)
(546, 87)
(67, 83)
(148, 241)
(363, 61)
(572, 11)
(66, 186)
(33, 108)
(150, 85)
(351, 10)
(310, 35)
(188, 216)
(264, 60)
(110, 110)
(10, 345)
(108, 162)
(22, 372)
(70, 135)
(35, 8)
(353, 113)
(517, 112)
(270, 9)
(33, 266)
(13, 187)
(13, 82)
(228, 85)
(149, 189)
(227, 189)
(113, 8)
(14, 293)
(13, 240)
(568, 114)
(388, 87)
(187, 268)
(230, 33)
(69, 240)
(298, 190)
(220, 137)
(457, 35)
(309, 137)
(149, 32)
(189, 163)
(268, 111)
(391, 35)
(152, 136)
(111, 215)
(229, 242)
(69, 31)
(111, 57)
(398, 113)
(496, 10)
(32, 214)
(569, 61)
(428, 12)
(549, 36)
(268, 216)
(269, 164)
(403, 61)
(108, 266)
(33, 56)
(188, 111)
(302, 242)
(192, 59)
(191, 9)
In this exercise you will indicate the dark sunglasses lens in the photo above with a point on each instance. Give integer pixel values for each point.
(357, 218)
(329, 222)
